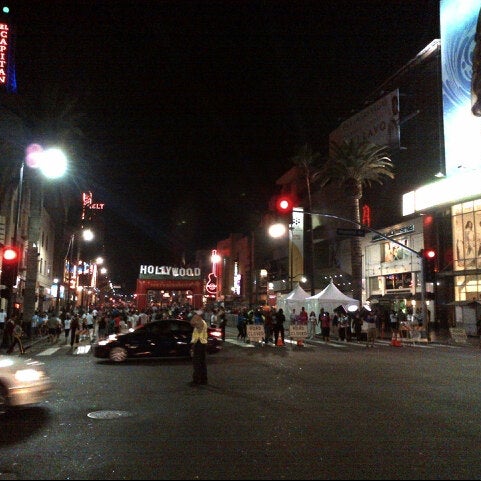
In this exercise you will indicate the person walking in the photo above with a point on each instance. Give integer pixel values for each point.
(17, 339)
(312, 325)
(66, 326)
(199, 346)
(279, 320)
(74, 327)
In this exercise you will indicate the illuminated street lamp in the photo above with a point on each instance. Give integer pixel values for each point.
(52, 164)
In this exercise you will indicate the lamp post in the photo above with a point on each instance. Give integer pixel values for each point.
(52, 164)
(73, 277)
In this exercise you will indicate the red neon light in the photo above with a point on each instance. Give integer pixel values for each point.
(4, 44)
(366, 215)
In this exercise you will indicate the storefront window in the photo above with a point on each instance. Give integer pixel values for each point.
(399, 281)
(467, 288)
(466, 224)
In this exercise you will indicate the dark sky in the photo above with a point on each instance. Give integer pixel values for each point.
(194, 109)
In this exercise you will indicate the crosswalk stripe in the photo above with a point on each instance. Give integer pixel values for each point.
(49, 351)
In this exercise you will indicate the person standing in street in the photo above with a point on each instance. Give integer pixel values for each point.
(74, 327)
(312, 325)
(371, 330)
(325, 322)
(199, 346)
(66, 326)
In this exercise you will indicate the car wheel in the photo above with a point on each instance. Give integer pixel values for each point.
(118, 354)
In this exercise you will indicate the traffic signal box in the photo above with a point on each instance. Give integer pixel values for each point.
(429, 264)
(10, 262)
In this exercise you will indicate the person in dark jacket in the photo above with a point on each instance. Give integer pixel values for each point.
(279, 319)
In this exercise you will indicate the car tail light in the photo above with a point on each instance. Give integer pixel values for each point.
(214, 333)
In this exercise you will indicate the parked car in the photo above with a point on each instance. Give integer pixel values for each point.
(23, 382)
(165, 338)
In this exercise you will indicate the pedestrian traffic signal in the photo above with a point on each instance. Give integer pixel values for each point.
(429, 264)
(284, 204)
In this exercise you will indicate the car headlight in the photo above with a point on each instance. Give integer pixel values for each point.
(28, 375)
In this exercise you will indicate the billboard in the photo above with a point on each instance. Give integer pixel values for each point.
(377, 123)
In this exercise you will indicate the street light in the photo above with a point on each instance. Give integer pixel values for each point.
(72, 282)
(52, 164)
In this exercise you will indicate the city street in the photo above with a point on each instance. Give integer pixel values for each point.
(322, 411)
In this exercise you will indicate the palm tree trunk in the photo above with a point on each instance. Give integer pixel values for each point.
(356, 250)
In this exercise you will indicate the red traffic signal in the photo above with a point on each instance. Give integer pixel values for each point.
(284, 204)
(429, 253)
(10, 255)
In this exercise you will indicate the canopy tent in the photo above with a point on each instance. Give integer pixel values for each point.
(294, 300)
(329, 298)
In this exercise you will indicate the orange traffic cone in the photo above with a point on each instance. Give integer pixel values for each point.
(396, 341)
(300, 342)
(279, 342)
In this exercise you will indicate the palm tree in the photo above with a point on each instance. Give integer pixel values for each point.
(307, 162)
(355, 165)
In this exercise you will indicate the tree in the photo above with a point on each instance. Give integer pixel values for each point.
(307, 162)
(355, 165)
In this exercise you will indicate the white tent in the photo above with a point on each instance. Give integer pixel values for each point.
(294, 300)
(329, 298)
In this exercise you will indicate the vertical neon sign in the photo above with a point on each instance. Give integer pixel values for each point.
(4, 46)
(211, 285)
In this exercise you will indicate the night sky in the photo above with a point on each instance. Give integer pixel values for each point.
(192, 110)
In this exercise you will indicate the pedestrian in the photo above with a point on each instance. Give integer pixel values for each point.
(279, 320)
(268, 326)
(54, 327)
(102, 326)
(241, 324)
(293, 318)
(199, 346)
(3, 318)
(8, 333)
(312, 325)
(371, 330)
(74, 327)
(303, 317)
(66, 326)
(357, 325)
(325, 322)
(344, 328)
(17, 339)
(222, 320)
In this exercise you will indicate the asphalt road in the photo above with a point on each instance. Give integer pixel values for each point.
(323, 411)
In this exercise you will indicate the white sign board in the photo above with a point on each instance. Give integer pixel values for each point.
(297, 331)
(255, 332)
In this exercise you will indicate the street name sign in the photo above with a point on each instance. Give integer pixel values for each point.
(351, 232)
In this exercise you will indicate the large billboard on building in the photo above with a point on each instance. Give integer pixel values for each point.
(462, 139)
(377, 123)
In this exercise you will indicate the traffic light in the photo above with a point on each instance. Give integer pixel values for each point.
(429, 264)
(10, 261)
(284, 204)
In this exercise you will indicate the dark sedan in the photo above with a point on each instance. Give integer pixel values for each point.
(166, 338)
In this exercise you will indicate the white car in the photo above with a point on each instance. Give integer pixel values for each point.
(23, 382)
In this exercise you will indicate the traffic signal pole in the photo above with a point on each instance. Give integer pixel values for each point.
(418, 254)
